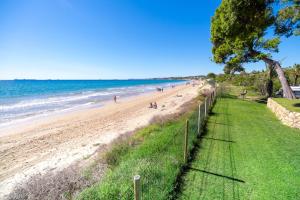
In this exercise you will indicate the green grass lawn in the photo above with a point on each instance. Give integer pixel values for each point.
(290, 104)
(237, 90)
(246, 153)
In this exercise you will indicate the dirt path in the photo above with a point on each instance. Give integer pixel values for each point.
(61, 140)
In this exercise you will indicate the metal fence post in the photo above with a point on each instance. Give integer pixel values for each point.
(216, 92)
(186, 136)
(199, 119)
(137, 187)
(205, 107)
(209, 101)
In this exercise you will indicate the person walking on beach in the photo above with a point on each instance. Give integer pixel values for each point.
(115, 99)
(155, 105)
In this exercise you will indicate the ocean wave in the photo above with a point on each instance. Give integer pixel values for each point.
(55, 100)
(19, 110)
(24, 117)
(73, 97)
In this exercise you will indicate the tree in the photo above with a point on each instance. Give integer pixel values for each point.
(288, 18)
(211, 75)
(296, 73)
(269, 80)
(238, 34)
(231, 69)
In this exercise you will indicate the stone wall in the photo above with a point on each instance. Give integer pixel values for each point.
(287, 117)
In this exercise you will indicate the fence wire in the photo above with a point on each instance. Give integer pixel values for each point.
(159, 170)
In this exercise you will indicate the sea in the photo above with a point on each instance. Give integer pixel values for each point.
(22, 100)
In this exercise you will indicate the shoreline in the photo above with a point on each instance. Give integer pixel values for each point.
(5, 128)
(60, 141)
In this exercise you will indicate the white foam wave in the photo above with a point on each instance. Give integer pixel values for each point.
(42, 106)
(55, 100)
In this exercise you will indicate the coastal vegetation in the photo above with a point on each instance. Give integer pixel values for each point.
(265, 82)
(242, 32)
(155, 153)
(246, 153)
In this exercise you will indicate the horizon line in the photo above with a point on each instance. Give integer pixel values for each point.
(108, 79)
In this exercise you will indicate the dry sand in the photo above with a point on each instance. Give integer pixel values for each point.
(57, 142)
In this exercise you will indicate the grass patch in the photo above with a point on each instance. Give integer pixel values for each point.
(290, 104)
(155, 153)
(226, 89)
(246, 154)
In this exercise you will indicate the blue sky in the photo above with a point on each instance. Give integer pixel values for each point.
(78, 39)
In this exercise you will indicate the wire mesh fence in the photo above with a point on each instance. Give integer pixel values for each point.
(174, 161)
(158, 167)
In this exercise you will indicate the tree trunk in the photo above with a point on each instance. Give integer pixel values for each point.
(269, 84)
(269, 87)
(295, 81)
(287, 91)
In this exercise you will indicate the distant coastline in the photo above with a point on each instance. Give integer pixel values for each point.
(163, 78)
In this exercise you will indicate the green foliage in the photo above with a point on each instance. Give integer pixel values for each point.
(211, 75)
(251, 81)
(113, 157)
(259, 80)
(293, 73)
(239, 34)
(232, 68)
(247, 153)
(158, 158)
(222, 78)
(271, 44)
(288, 18)
(276, 85)
(238, 29)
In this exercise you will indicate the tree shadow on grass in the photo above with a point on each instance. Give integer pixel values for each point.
(263, 100)
(213, 138)
(216, 174)
(216, 114)
(228, 96)
(296, 105)
(185, 170)
(224, 124)
(209, 138)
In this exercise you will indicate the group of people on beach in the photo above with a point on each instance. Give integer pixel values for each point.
(160, 89)
(153, 105)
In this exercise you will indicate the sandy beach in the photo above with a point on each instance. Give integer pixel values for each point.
(58, 141)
